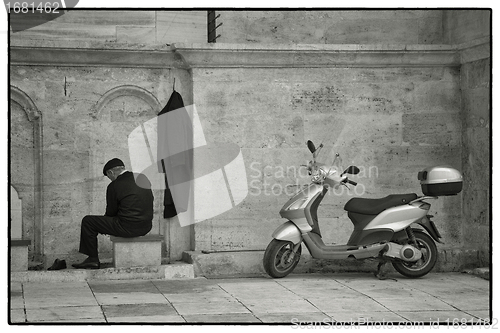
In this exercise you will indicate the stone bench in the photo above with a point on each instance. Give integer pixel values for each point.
(137, 251)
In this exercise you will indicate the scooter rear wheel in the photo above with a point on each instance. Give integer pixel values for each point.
(424, 265)
(278, 260)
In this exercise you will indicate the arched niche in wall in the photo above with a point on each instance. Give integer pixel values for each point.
(26, 164)
(117, 113)
(126, 90)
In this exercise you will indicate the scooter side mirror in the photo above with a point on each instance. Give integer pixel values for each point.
(352, 170)
(311, 146)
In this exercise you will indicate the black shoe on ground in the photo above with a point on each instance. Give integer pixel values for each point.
(89, 263)
(57, 265)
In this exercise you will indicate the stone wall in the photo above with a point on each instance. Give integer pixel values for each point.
(393, 103)
(391, 122)
(461, 26)
(466, 27)
(115, 27)
(332, 27)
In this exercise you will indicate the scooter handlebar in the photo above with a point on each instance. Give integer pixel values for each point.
(351, 182)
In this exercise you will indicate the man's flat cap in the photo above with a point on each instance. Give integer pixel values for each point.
(111, 164)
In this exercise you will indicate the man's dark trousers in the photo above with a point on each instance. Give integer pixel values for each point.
(92, 225)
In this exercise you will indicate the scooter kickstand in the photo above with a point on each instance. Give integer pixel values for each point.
(382, 270)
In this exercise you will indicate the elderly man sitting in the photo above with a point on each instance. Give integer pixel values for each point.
(129, 211)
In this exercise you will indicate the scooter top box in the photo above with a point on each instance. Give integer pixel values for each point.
(440, 180)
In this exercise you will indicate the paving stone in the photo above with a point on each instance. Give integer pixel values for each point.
(205, 296)
(414, 304)
(321, 289)
(346, 304)
(56, 314)
(467, 302)
(363, 316)
(39, 295)
(16, 286)
(16, 302)
(147, 319)
(17, 316)
(293, 318)
(259, 290)
(77, 321)
(436, 316)
(222, 318)
(394, 292)
(480, 314)
(129, 298)
(138, 310)
(121, 286)
(205, 307)
(185, 286)
(270, 305)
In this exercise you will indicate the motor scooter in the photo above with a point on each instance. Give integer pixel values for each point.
(383, 228)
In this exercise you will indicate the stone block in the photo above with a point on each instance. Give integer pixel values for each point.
(225, 263)
(179, 271)
(109, 18)
(476, 107)
(430, 30)
(367, 30)
(139, 35)
(19, 255)
(181, 26)
(431, 129)
(477, 74)
(137, 251)
(467, 25)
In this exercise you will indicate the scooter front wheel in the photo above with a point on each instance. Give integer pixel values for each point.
(425, 264)
(279, 258)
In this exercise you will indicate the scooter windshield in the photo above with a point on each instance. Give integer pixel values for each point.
(329, 158)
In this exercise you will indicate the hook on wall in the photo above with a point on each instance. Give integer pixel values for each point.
(173, 88)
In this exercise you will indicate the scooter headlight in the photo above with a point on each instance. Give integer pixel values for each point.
(318, 176)
(298, 204)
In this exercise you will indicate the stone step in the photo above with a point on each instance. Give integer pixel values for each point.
(176, 270)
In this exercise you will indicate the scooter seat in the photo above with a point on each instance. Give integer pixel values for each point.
(376, 206)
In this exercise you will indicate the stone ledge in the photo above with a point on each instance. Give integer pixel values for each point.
(177, 270)
(247, 263)
(199, 55)
(316, 55)
(105, 57)
(186, 56)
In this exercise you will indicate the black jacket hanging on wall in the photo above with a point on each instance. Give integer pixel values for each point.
(175, 133)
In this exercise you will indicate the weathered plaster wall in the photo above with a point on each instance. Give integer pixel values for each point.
(332, 27)
(476, 150)
(466, 27)
(391, 122)
(116, 26)
(460, 26)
